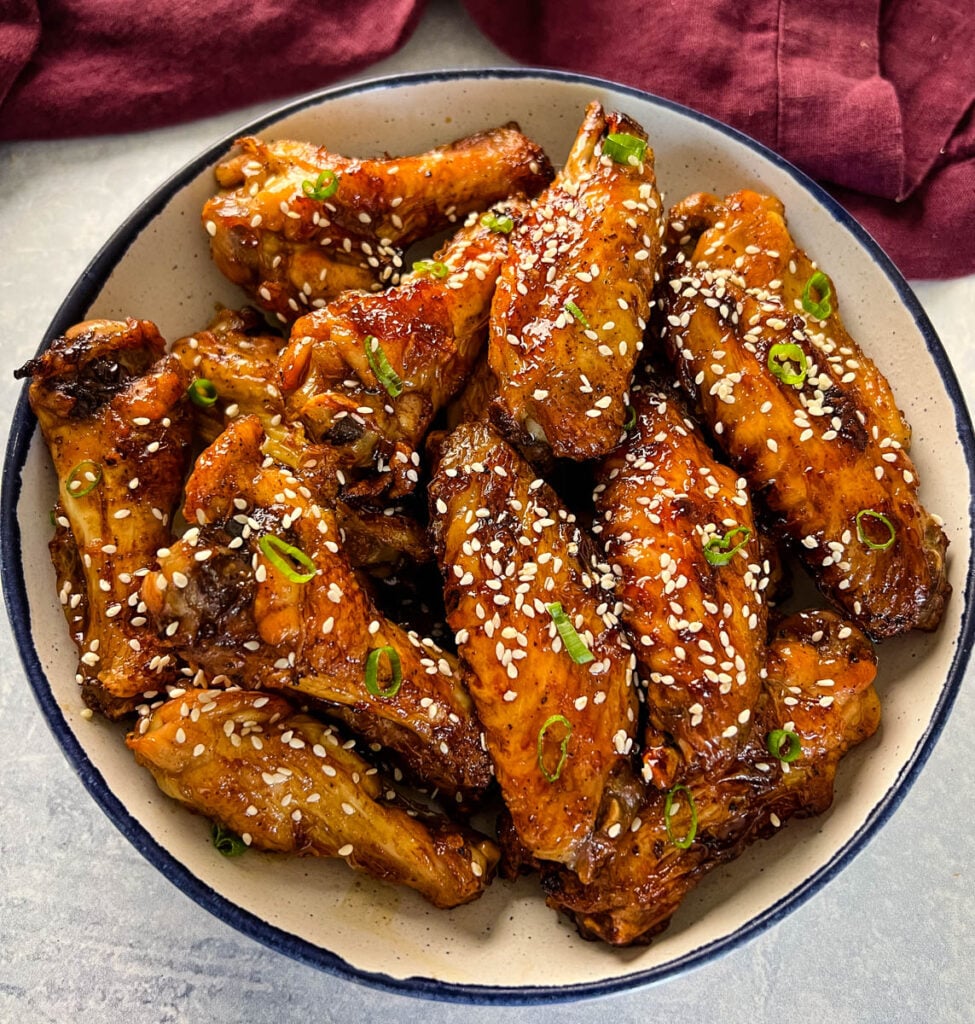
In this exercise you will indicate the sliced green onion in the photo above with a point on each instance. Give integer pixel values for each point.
(681, 842)
(372, 672)
(379, 365)
(83, 479)
(862, 537)
(502, 223)
(819, 308)
(202, 392)
(432, 267)
(571, 307)
(630, 419)
(574, 644)
(718, 550)
(624, 149)
(779, 356)
(323, 187)
(228, 843)
(563, 747)
(783, 744)
(278, 552)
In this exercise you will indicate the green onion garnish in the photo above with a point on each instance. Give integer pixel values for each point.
(574, 644)
(563, 745)
(571, 307)
(202, 392)
(862, 533)
(779, 358)
(84, 478)
(379, 365)
(228, 843)
(432, 267)
(372, 672)
(278, 552)
(718, 550)
(502, 224)
(682, 842)
(783, 744)
(323, 187)
(624, 149)
(822, 307)
(630, 419)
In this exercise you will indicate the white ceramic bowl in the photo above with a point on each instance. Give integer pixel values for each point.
(506, 947)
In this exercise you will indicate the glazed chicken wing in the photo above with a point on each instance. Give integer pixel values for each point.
(290, 784)
(820, 692)
(296, 224)
(808, 420)
(559, 726)
(574, 295)
(258, 590)
(112, 409)
(679, 525)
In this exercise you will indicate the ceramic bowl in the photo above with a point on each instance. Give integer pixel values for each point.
(507, 946)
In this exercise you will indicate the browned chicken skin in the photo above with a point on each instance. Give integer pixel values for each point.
(823, 444)
(574, 295)
(113, 411)
(290, 784)
(663, 504)
(292, 252)
(820, 688)
(559, 732)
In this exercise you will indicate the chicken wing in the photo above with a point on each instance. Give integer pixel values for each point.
(259, 591)
(113, 412)
(803, 415)
(287, 783)
(680, 527)
(574, 295)
(820, 692)
(296, 224)
(559, 725)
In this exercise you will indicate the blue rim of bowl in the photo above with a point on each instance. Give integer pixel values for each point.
(74, 308)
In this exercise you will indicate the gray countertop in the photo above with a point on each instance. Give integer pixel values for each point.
(89, 931)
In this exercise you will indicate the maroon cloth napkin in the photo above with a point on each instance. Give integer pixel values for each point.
(872, 97)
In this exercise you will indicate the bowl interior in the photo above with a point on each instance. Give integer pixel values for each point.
(509, 941)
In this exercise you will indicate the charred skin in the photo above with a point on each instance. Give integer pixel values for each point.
(592, 239)
(222, 603)
(819, 686)
(507, 549)
(292, 252)
(699, 627)
(291, 784)
(108, 399)
(818, 451)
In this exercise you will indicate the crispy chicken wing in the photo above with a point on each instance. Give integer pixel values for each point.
(819, 689)
(559, 730)
(296, 224)
(574, 295)
(670, 517)
(290, 784)
(800, 411)
(112, 409)
(259, 590)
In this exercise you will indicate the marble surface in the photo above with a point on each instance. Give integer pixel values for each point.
(89, 931)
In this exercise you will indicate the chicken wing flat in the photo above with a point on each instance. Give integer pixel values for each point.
(369, 372)
(574, 294)
(296, 224)
(680, 527)
(287, 783)
(819, 692)
(259, 591)
(113, 411)
(559, 726)
(805, 417)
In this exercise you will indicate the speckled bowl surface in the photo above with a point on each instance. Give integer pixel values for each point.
(507, 947)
